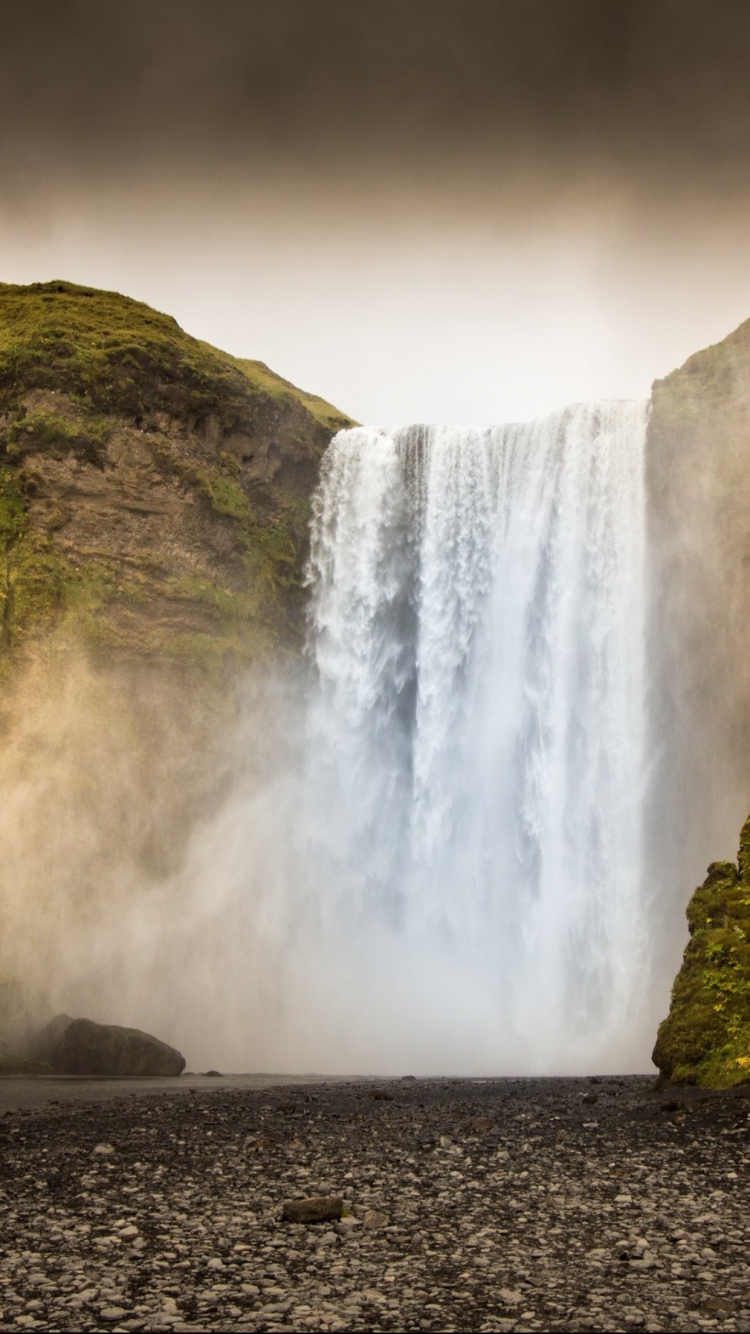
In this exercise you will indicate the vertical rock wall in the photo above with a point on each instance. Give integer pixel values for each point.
(698, 487)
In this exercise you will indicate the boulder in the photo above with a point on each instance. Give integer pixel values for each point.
(316, 1209)
(81, 1047)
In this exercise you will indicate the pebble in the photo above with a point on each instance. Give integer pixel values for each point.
(487, 1205)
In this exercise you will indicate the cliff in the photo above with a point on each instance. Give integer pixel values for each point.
(698, 492)
(153, 490)
(698, 487)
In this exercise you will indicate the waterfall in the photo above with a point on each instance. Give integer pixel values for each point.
(477, 625)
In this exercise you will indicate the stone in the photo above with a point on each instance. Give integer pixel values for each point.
(82, 1047)
(478, 1249)
(479, 1125)
(315, 1209)
(375, 1219)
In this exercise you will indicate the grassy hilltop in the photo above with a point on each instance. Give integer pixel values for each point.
(154, 491)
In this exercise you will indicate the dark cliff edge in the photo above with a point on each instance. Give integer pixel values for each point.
(154, 491)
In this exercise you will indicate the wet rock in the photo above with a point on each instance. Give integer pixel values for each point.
(315, 1209)
(81, 1047)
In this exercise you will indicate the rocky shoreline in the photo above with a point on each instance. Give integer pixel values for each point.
(482, 1205)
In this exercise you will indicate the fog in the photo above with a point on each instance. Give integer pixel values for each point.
(152, 879)
(216, 930)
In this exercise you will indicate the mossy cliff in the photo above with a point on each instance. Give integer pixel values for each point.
(706, 1038)
(153, 490)
(698, 490)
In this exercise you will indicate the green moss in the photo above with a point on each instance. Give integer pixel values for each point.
(706, 1037)
(30, 584)
(225, 497)
(323, 413)
(47, 431)
(12, 510)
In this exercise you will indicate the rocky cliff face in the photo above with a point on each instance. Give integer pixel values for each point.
(153, 490)
(698, 486)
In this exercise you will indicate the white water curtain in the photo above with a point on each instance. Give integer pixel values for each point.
(478, 740)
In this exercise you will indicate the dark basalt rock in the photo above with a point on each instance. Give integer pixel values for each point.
(81, 1047)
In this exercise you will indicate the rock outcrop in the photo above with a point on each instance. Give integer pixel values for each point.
(706, 1037)
(153, 490)
(698, 491)
(81, 1047)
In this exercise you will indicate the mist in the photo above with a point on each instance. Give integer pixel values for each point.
(154, 879)
(232, 933)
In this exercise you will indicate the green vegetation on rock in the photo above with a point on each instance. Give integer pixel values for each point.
(154, 491)
(706, 1037)
(122, 357)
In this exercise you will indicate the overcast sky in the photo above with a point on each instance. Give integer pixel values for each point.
(460, 212)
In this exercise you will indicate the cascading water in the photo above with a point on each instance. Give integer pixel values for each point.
(477, 623)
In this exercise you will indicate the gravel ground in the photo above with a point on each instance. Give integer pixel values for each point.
(470, 1205)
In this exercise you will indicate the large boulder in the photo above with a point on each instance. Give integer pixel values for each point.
(81, 1047)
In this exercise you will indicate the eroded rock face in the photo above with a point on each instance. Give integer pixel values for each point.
(154, 491)
(698, 490)
(706, 1037)
(81, 1047)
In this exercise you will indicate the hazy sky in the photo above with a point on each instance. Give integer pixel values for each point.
(464, 212)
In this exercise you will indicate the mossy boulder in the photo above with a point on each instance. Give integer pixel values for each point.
(154, 491)
(705, 1039)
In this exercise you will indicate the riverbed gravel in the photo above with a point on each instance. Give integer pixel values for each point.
(468, 1205)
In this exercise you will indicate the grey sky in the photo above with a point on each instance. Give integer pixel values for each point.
(460, 212)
